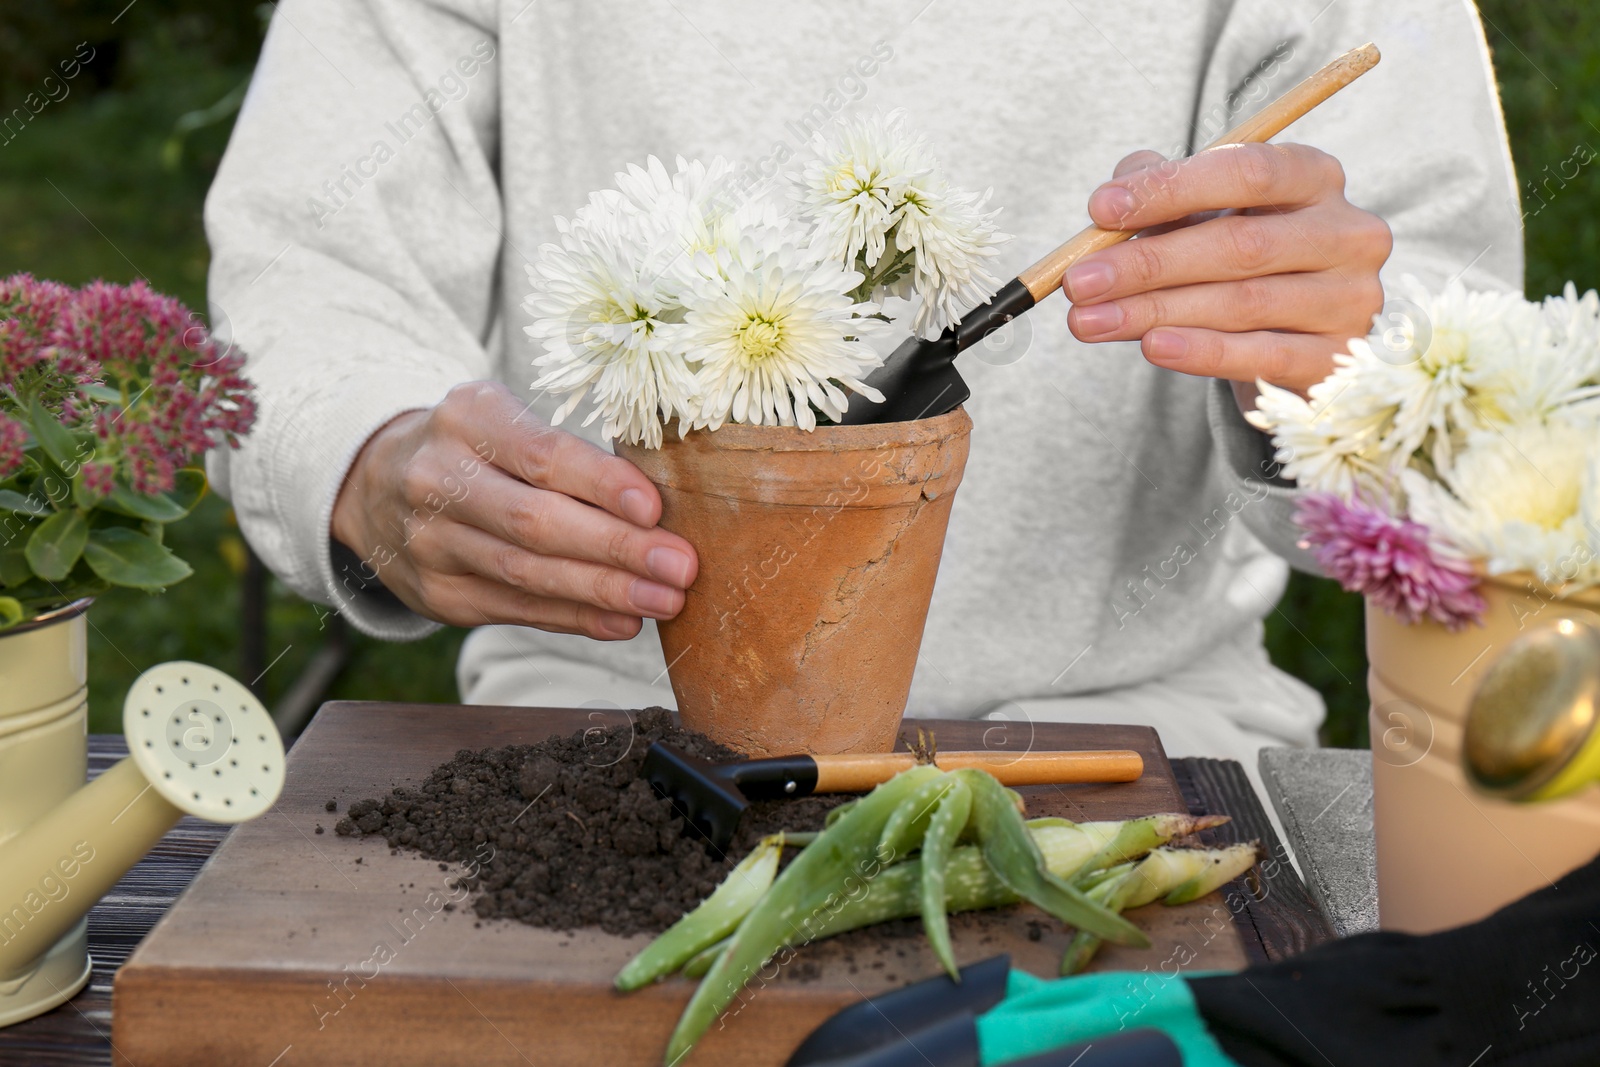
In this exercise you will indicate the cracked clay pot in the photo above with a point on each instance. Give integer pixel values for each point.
(818, 552)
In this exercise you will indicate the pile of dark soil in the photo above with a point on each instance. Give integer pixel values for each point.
(564, 833)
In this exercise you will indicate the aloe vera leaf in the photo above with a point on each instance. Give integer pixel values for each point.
(948, 820)
(902, 834)
(1175, 875)
(711, 921)
(1010, 850)
(839, 812)
(969, 886)
(1136, 837)
(1083, 946)
(701, 961)
(1226, 864)
(844, 854)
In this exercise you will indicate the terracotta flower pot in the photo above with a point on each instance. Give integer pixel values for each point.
(1448, 854)
(818, 552)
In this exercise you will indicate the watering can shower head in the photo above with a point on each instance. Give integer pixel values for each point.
(199, 744)
(1531, 731)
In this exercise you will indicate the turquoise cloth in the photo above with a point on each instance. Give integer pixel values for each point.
(1039, 1015)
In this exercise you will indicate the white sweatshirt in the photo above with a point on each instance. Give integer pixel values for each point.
(398, 162)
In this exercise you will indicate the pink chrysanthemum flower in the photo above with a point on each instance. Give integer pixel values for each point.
(1391, 561)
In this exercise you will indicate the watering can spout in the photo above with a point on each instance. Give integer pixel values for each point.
(199, 743)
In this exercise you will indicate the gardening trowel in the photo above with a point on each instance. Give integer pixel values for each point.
(919, 380)
(711, 796)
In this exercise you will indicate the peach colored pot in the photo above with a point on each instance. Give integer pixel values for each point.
(818, 553)
(1448, 854)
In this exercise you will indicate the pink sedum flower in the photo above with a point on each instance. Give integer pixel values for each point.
(182, 393)
(195, 396)
(13, 439)
(1391, 561)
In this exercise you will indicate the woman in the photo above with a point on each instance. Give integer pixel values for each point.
(1121, 531)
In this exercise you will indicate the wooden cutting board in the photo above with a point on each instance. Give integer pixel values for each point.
(287, 952)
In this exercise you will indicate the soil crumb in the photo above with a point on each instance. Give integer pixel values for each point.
(564, 833)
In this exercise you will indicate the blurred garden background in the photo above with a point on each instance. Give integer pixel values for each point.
(108, 181)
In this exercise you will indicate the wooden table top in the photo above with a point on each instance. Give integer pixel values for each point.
(1282, 922)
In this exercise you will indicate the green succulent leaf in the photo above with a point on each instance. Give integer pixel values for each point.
(103, 393)
(10, 611)
(59, 443)
(188, 487)
(56, 544)
(14, 566)
(23, 503)
(126, 557)
(160, 508)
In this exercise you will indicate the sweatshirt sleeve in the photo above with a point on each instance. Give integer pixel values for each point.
(355, 229)
(1423, 145)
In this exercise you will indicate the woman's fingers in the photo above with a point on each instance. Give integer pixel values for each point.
(1143, 159)
(462, 548)
(472, 600)
(1284, 176)
(541, 455)
(552, 524)
(1228, 248)
(1294, 361)
(1319, 302)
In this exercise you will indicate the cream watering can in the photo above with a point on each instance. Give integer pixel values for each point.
(199, 743)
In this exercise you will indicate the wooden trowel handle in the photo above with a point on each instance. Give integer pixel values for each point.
(1044, 277)
(859, 772)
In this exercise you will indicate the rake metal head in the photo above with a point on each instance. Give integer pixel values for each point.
(711, 797)
(704, 794)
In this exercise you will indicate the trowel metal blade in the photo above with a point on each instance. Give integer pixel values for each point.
(919, 380)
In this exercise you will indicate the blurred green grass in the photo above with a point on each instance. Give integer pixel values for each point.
(90, 188)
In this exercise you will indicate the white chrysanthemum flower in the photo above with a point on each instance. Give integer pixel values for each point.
(1463, 355)
(1514, 498)
(773, 328)
(603, 313)
(1562, 376)
(856, 186)
(880, 205)
(1331, 440)
(687, 209)
(950, 237)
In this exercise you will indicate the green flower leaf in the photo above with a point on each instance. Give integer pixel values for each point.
(59, 443)
(10, 611)
(103, 393)
(14, 566)
(126, 557)
(23, 503)
(159, 508)
(56, 545)
(188, 487)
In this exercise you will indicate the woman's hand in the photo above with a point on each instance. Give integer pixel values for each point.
(476, 512)
(1269, 288)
